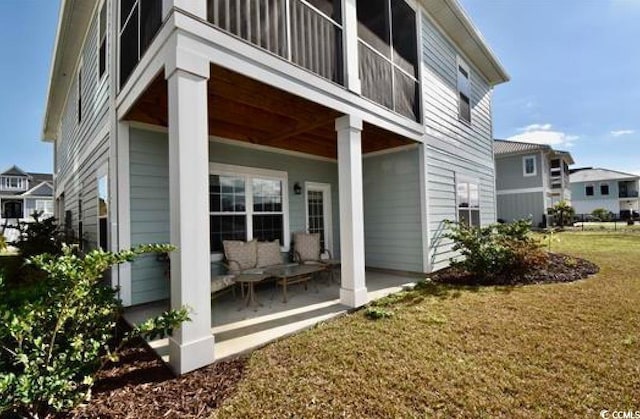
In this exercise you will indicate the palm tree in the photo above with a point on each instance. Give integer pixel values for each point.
(563, 212)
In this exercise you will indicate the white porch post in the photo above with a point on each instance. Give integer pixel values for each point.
(191, 346)
(350, 42)
(353, 291)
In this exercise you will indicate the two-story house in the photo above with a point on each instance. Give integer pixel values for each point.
(594, 188)
(21, 194)
(530, 179)
(196, 121)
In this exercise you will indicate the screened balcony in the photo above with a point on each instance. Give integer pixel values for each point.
(305, 32)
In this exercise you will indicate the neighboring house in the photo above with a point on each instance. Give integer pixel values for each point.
(195, 121)
(530, 179)
(21, 194)
(593, 188)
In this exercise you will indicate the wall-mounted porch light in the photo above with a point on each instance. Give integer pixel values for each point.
(297, 189)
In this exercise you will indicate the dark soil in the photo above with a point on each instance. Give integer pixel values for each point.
(558, 268)
(140, 386)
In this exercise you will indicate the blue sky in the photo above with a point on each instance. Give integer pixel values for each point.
(27, 32)
(575, 68)
(575, 75)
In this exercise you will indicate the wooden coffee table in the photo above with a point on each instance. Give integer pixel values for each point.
(293, 274)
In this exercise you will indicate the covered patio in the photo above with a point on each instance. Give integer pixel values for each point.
(239, 328)
(223, 128)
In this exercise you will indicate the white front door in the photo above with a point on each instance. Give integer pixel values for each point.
(318, 212)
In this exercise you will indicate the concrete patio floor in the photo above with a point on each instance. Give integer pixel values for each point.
(239, 329)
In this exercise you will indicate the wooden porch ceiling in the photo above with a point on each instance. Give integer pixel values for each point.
(244, 109)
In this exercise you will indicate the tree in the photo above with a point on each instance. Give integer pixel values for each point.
(563, 213)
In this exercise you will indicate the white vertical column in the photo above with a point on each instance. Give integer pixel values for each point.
(350, 46)
(191, 346)
(123, 202)
(195, 7)
(353, 291)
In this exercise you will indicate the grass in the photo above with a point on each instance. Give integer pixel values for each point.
(546, 350)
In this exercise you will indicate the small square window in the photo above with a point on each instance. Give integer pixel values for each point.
(604, 189)
(529, 166)
(588, 190)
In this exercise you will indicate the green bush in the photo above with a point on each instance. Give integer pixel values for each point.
(496, 253)
(53, 344)
(602, 214)
(563, 213)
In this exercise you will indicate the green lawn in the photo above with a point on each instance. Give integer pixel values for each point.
(561, 350)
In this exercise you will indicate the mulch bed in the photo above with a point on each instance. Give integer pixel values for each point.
(141, 386)
(559, 268)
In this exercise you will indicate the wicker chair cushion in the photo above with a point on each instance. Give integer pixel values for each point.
(269, 254)
(244, 253)
(307, 246)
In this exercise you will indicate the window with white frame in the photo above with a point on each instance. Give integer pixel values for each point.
(247, 203)
(529, 166)
(464, 91)
(102, 40)
(588, 190)
(103, 212)
(9, 183)
(468, 199)
(44, 206)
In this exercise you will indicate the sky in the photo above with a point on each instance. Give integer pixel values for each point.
(575, 75)
(574, 66)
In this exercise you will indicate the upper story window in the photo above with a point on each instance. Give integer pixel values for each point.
(464, 91)
(13, 183)
(588, 190)
(140, 20)
(79, 95)
(102, 41)
(468, 198)
(388, 48)
(529, 166)
(604, 189)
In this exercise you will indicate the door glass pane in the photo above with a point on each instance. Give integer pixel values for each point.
(315, 205)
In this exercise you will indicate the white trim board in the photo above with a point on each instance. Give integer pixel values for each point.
(517, 191)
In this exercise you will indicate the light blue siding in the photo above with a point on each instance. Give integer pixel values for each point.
(75, 163)
(392, 215)
(453, 149)
(149, 191)
(519, 206)
(509, 172)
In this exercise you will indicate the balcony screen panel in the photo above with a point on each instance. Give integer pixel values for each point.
(373, 24)
(129, 47)
(125, 9)
(261, 22)
(406, 95)
(405, 47)
(331, 8)
(150, 21)
(316, 42)
(376, 75)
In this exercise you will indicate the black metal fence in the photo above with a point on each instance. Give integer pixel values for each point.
(589, 222)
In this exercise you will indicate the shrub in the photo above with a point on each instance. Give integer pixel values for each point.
(602, 214)
(563, 213)
(39, 236)
(53, 344)
(376, 313)
(496, 253)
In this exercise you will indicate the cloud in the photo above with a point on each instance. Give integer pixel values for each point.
(620, 133)
(544, 134)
